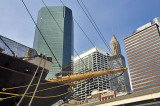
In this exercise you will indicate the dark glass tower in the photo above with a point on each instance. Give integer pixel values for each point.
(58, 32)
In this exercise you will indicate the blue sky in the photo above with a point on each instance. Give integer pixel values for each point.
(119, 16)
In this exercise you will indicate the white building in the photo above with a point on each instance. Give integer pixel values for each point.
(91, 60)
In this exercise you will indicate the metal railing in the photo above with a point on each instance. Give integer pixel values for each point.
(14, 48)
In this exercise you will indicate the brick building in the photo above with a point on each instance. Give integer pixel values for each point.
(100, 95)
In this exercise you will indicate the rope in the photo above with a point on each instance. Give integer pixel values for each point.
(34, 96)
(29, 83)
(4, 89)
(15, 95)
(37, 84)
(32, 92)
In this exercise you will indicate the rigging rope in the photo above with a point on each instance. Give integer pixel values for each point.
(4, 89)
(34, 96)
(30, 82)
(32, 92)
(15, 95)
(37, 84)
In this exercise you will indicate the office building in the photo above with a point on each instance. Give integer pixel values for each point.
(91, 60)
(57, 29)
(120, 84)
(143, 53)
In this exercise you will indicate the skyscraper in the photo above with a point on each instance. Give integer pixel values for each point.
(58, 32)
(91, 60)
(121, 84)
(143, 53)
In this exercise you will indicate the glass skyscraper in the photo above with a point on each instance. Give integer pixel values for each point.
(57, 29)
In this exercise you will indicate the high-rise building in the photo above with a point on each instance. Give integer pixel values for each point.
(143, 53)
(57, 29)
(91, 60)
(120, 84)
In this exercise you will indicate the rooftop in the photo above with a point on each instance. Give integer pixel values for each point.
(130, 98)
(92, 50)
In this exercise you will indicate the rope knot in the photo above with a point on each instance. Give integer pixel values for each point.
(4, 89)
(1, 99)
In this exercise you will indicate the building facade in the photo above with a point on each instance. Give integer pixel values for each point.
(143, 53)
(91, 60)
(120, 84)
(72, 103)
(57, 29)
(145, 98)
(100, 95)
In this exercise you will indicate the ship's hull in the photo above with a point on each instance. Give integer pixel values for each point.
(10, 77)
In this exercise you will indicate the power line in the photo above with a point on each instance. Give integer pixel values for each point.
(94, 25)
(84, 32)
(81, 28)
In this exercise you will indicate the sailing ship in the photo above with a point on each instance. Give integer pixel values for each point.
(20, 64)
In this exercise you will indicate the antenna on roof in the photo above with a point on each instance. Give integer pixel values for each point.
(112, 30)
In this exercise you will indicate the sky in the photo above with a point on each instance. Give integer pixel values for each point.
(120, 17)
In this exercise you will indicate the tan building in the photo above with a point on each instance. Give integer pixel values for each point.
(73, 103)
(145, 98)
(100, 95)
